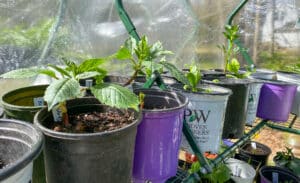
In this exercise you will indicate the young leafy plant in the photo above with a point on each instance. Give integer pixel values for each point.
(220, 174)
(66, 84)
(194, 77)
(142, 56)
(293, 68)
(287, 159)
(230, 52)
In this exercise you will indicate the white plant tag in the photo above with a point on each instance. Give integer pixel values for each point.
(253, 145)
(274, 177)
(89, 83)
(57, 114)
(38, 101)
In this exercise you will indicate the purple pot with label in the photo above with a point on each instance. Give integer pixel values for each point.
(159, 136)
(276, 99)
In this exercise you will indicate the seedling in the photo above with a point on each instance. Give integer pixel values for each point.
(220, 174)
(231, 63)
(66, 85)
(142, 56)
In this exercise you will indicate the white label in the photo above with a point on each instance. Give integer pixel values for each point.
(39, 101)
(57, 114)
(89, 83)
(253, 145)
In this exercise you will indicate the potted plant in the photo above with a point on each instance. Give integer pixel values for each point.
(286, 159)
(205, 112)
(235, 115)
(221, 173)
(102, 140)
(256, 151)
(270, 174)
(20, 144)
(142, 57)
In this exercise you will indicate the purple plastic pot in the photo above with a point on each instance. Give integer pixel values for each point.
(269, 174)
(275, 101)
(159, 136)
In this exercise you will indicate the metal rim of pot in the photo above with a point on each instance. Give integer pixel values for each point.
(23, 161)
(78, 136)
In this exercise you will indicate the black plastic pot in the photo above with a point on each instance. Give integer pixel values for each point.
(268, 172)
(19, 103)
(263, 157)
(20, 144)
(234, 124)
(89, 157)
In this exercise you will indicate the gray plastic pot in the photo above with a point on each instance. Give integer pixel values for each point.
(87, 157)
(20, 144)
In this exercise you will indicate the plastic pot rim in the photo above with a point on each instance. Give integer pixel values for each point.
(265, 147)
(19, 107)
(224, 92)
(81, 136)
(29, 156)
(173, 93)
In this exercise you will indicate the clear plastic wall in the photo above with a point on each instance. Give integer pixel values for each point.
(36, 32)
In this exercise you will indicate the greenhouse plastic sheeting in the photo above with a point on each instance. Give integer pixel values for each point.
(36, 32)
(270, 29)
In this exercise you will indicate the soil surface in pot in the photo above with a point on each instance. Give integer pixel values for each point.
(257, 151)
(2, 164)
(93, 122)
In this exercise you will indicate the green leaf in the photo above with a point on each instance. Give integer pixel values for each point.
(22, 73)
(61, 90)
(62, 71)
(115, 96)
(86, 75)
(233, 66)
(175, 72)
(156, 50)
(90, 65)
(48, 72)
(143, 49)
(123, 54)
(131, 44)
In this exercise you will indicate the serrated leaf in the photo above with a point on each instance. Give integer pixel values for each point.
(61, 90)
(156, 50)
(115, 96)
(86, 75)
(21, 73)
(175, 72)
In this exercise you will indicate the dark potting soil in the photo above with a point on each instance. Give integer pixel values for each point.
(257, 151)
(1, 163)
(96, 122)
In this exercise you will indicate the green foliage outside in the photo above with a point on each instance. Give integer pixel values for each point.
(279, 61)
